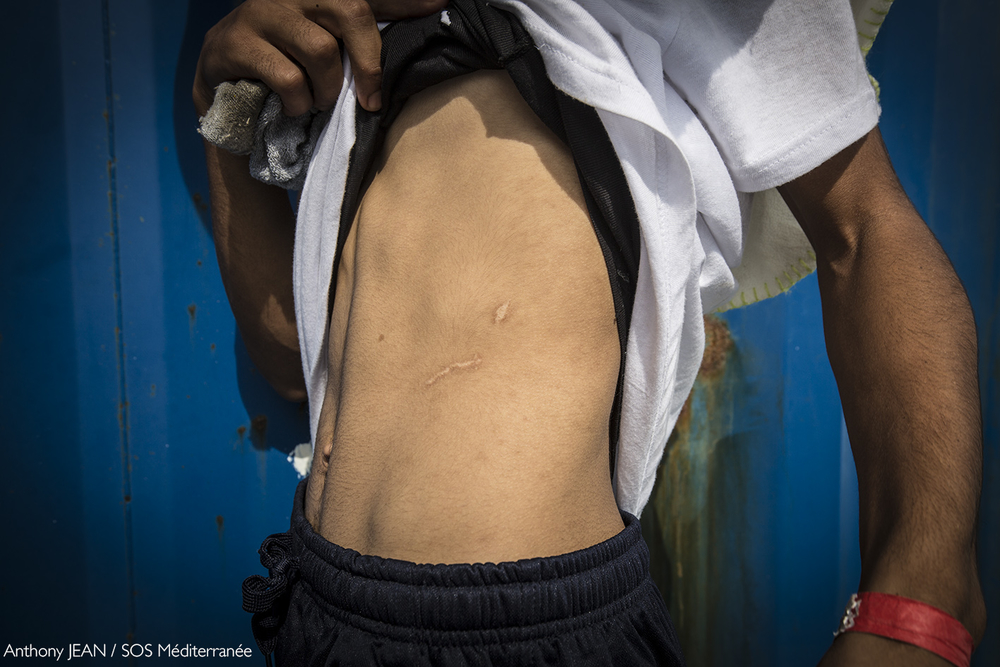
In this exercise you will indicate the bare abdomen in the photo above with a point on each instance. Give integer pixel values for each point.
(473, 348)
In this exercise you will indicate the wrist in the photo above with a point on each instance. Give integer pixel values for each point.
(202, 101)
(910, 622)
(951, 585)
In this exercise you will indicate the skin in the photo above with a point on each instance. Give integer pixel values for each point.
(902, 343)
(473, 348)
(291, 45)
(899, 329)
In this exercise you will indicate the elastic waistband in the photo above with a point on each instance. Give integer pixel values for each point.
(543, 595)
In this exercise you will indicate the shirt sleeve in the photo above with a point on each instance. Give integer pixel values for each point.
(780, 85)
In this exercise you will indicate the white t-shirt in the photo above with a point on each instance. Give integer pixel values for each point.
(704, 101)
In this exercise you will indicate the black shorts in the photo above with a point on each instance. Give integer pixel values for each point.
(326, 605)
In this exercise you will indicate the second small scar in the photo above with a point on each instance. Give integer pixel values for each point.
(471, 364)
(501, 312)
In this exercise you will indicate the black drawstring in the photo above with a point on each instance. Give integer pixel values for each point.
(267, 597)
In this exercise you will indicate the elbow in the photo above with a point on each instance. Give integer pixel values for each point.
(276, 353)
(280, 366)
(850, 202)
(286, 379)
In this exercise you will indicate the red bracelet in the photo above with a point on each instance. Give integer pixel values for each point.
(909, 621)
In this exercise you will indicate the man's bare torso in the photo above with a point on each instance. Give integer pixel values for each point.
(473, 350)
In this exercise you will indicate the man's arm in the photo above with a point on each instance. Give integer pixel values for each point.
(290, 45)
(254, 231)
(902, 343)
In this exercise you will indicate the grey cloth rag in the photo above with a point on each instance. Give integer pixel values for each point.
(246, 119)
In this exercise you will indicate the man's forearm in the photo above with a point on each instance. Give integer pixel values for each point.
(902, 343)
(254, 231)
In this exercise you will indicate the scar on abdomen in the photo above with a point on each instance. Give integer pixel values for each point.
(501, 312)
(471, 364)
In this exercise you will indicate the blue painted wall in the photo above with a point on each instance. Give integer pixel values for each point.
(143, 459)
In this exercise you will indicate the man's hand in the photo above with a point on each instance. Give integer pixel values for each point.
(902, 343)
(291, 45)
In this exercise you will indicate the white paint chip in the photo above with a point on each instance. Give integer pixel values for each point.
(445, 18)
(301, 458)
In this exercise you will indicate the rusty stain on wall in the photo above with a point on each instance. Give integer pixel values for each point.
(697, 512)
(258, 432)
(199, 202)
(718, 343)
(122, 409)
(192, 311)
(110, 168)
